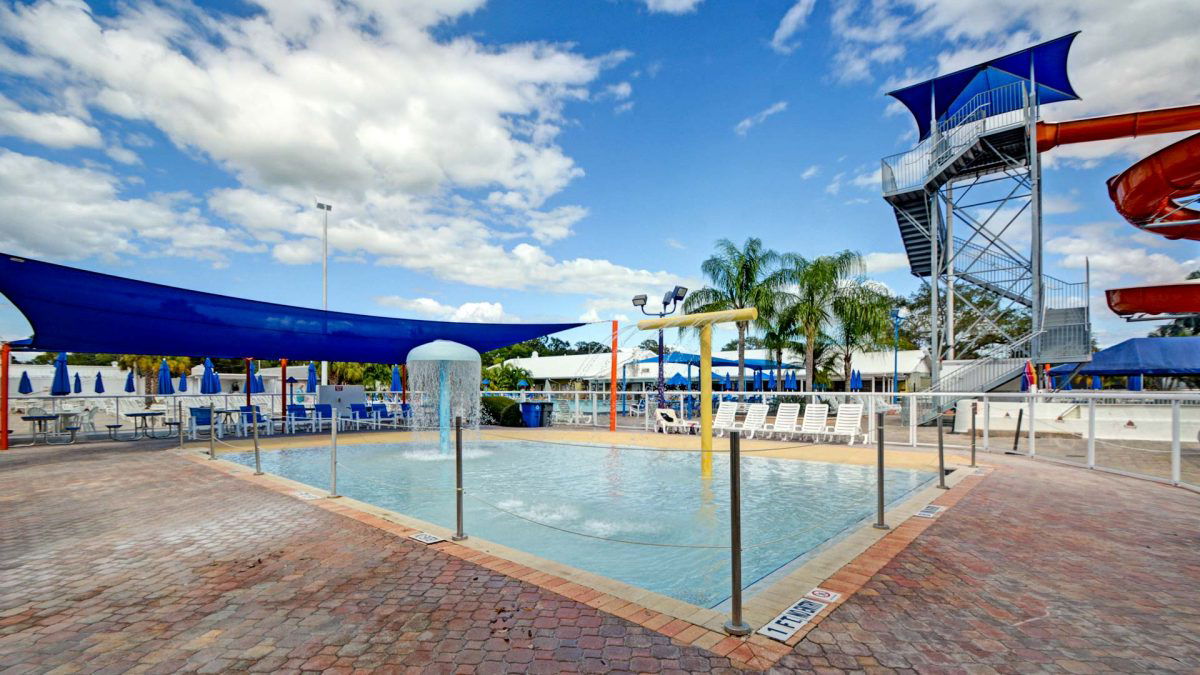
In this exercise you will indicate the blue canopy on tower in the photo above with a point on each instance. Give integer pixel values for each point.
(1045, 65)
(1142, 356)
(73, 309)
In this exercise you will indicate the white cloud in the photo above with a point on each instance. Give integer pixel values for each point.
(810, 172)
(792, 21)
(555, 224)
(741, 128)
(869, 180)
(620, 90)
(880, 263)
(623, 107)
(1113, 256)
(835, 184)
(49, 129)
(672, 6)
(674, 243)
(470, 312)
(122, 154)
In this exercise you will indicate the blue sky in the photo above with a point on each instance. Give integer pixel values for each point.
(520, 160)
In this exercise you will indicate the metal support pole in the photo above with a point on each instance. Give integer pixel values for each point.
(212, 431)
(912, 420)
(179, 418)
(1017, 435)
(612, 384)
(333, 493)
(941, 454)
(735, 625)
(1176, 468)
(458, 490)
(1032, 421)
(257, 459)
(879, 523)
(1091, 440)
(973, 409)
(987, 424)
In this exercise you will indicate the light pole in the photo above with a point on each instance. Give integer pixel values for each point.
(672, 298)
(899, 314)
(326, 208)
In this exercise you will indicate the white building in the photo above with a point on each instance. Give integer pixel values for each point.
(41, 376)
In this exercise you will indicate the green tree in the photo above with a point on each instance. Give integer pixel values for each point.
(777, 325)
(815, 285)
(590, 347)
(752, 342)
(862, 313)
(982, 318)
(505, 377)
(148, 364)
(77, 358)
(347, 372)
(739, 278)
(651, 345)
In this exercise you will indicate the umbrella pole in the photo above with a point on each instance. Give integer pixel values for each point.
(5, 352)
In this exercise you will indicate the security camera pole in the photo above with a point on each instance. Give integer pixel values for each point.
(326, 207)
(672, 298)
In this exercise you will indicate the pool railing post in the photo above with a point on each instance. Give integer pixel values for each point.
(1176, 448)
(1091, 438)
(212, 431)
(879, 522)
(257, 459)
(941, 449)
(458, 483)
(333, 493)
(987, 424)
(735, 625)
(1017, 433)
(974, 407)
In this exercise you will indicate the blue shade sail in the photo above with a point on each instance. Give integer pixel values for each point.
(688, 359)
(73, 309)
(99, 386)
(1044, 65)
(61, 385)
(1142, 356)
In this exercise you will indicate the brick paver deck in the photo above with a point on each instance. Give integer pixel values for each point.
(117, 558)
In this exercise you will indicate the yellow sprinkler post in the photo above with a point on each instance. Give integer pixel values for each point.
(704, 322)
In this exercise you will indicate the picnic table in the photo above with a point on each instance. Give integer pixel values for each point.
(143, 423)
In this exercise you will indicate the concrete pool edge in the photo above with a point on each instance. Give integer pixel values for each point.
(843, 567)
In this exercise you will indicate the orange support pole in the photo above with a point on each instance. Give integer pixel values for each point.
(283, 398)
(6, 354)
(612, 383)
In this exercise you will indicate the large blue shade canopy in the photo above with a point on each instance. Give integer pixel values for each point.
(1142, 356)
(77, 310)
(61, 385)
(688, 359)
(1045, 65)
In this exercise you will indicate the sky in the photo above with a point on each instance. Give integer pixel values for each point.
(521, 160)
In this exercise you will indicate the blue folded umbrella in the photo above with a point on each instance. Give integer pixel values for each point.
(311, 384)
(129, 386)
(25, 387)
(522, 383)
(256, 383)
(771, 380)
(397, 383)
(727, 384)
(210, 382)
(182, 382)
(99, 386)
(61, 386)
(1096, 383)
(78, 384)
(165, 387)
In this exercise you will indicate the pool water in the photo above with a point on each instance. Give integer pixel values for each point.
(570, 503)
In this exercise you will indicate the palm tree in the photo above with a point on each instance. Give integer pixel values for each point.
(740, 278)
(148, 364)
(777, 325)
(814, 285)
(347, 372)
(862, 313)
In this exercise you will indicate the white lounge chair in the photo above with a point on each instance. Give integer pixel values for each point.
(785, 420)
(666, 422)
(848, 423)
(756, 420)
(816, 417)
(724, 419)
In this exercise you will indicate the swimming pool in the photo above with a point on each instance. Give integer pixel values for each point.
(522, 490)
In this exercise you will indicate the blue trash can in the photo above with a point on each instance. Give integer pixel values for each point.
(531, 414)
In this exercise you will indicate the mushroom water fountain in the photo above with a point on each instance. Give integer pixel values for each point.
(446, 374)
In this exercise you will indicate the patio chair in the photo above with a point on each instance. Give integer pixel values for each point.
(198, 418)
(848, 423)
(383, 416)
(816, 416)
(297, 416)
(756, 419)
(667, 421)
(87, 420)
(251, 417)
(724, 419)
(785, 420)
(323, 416)
(359, 415)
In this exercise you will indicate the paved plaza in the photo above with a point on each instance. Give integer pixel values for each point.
(132, 558)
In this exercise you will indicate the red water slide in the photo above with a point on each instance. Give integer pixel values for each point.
(1146, 193)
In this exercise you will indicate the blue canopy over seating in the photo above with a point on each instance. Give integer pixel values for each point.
(1045, 65)
(688, 359)
(77, 310)
(678, 380)
(1142, 356)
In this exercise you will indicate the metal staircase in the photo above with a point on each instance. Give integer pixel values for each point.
(985, 148)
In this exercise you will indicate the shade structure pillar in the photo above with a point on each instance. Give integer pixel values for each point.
(706, 400)
(283, 393)
(248, 384)
(612, 384)
(6, 355)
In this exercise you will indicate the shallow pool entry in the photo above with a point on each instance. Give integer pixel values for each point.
(641, 516)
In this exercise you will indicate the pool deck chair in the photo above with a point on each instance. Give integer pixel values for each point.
(250, 417)
(785, 421)
(323, 416)
(359, 415)
(199, 419)
(297, 416)
(756, 420)
(667, 421)
(848, 423)
(816, 417)
(383, 416)
(725, 417)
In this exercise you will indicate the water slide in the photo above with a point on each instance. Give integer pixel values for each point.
(1145, 194)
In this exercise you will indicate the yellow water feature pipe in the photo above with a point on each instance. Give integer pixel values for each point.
(704, 322)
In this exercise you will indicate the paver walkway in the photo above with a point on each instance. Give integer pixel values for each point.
(117, 558)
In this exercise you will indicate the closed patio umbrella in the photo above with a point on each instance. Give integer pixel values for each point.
(256, 383)
(1096, 383)
(758, 380)
(61, 386)
(129, 386)
(771, 380)
(25, 387)
(78, 384)
(164, 379)
(397, 385)
(210, 383)
(726, 383)
(99, 386)
(182, 382)
(311, 384)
